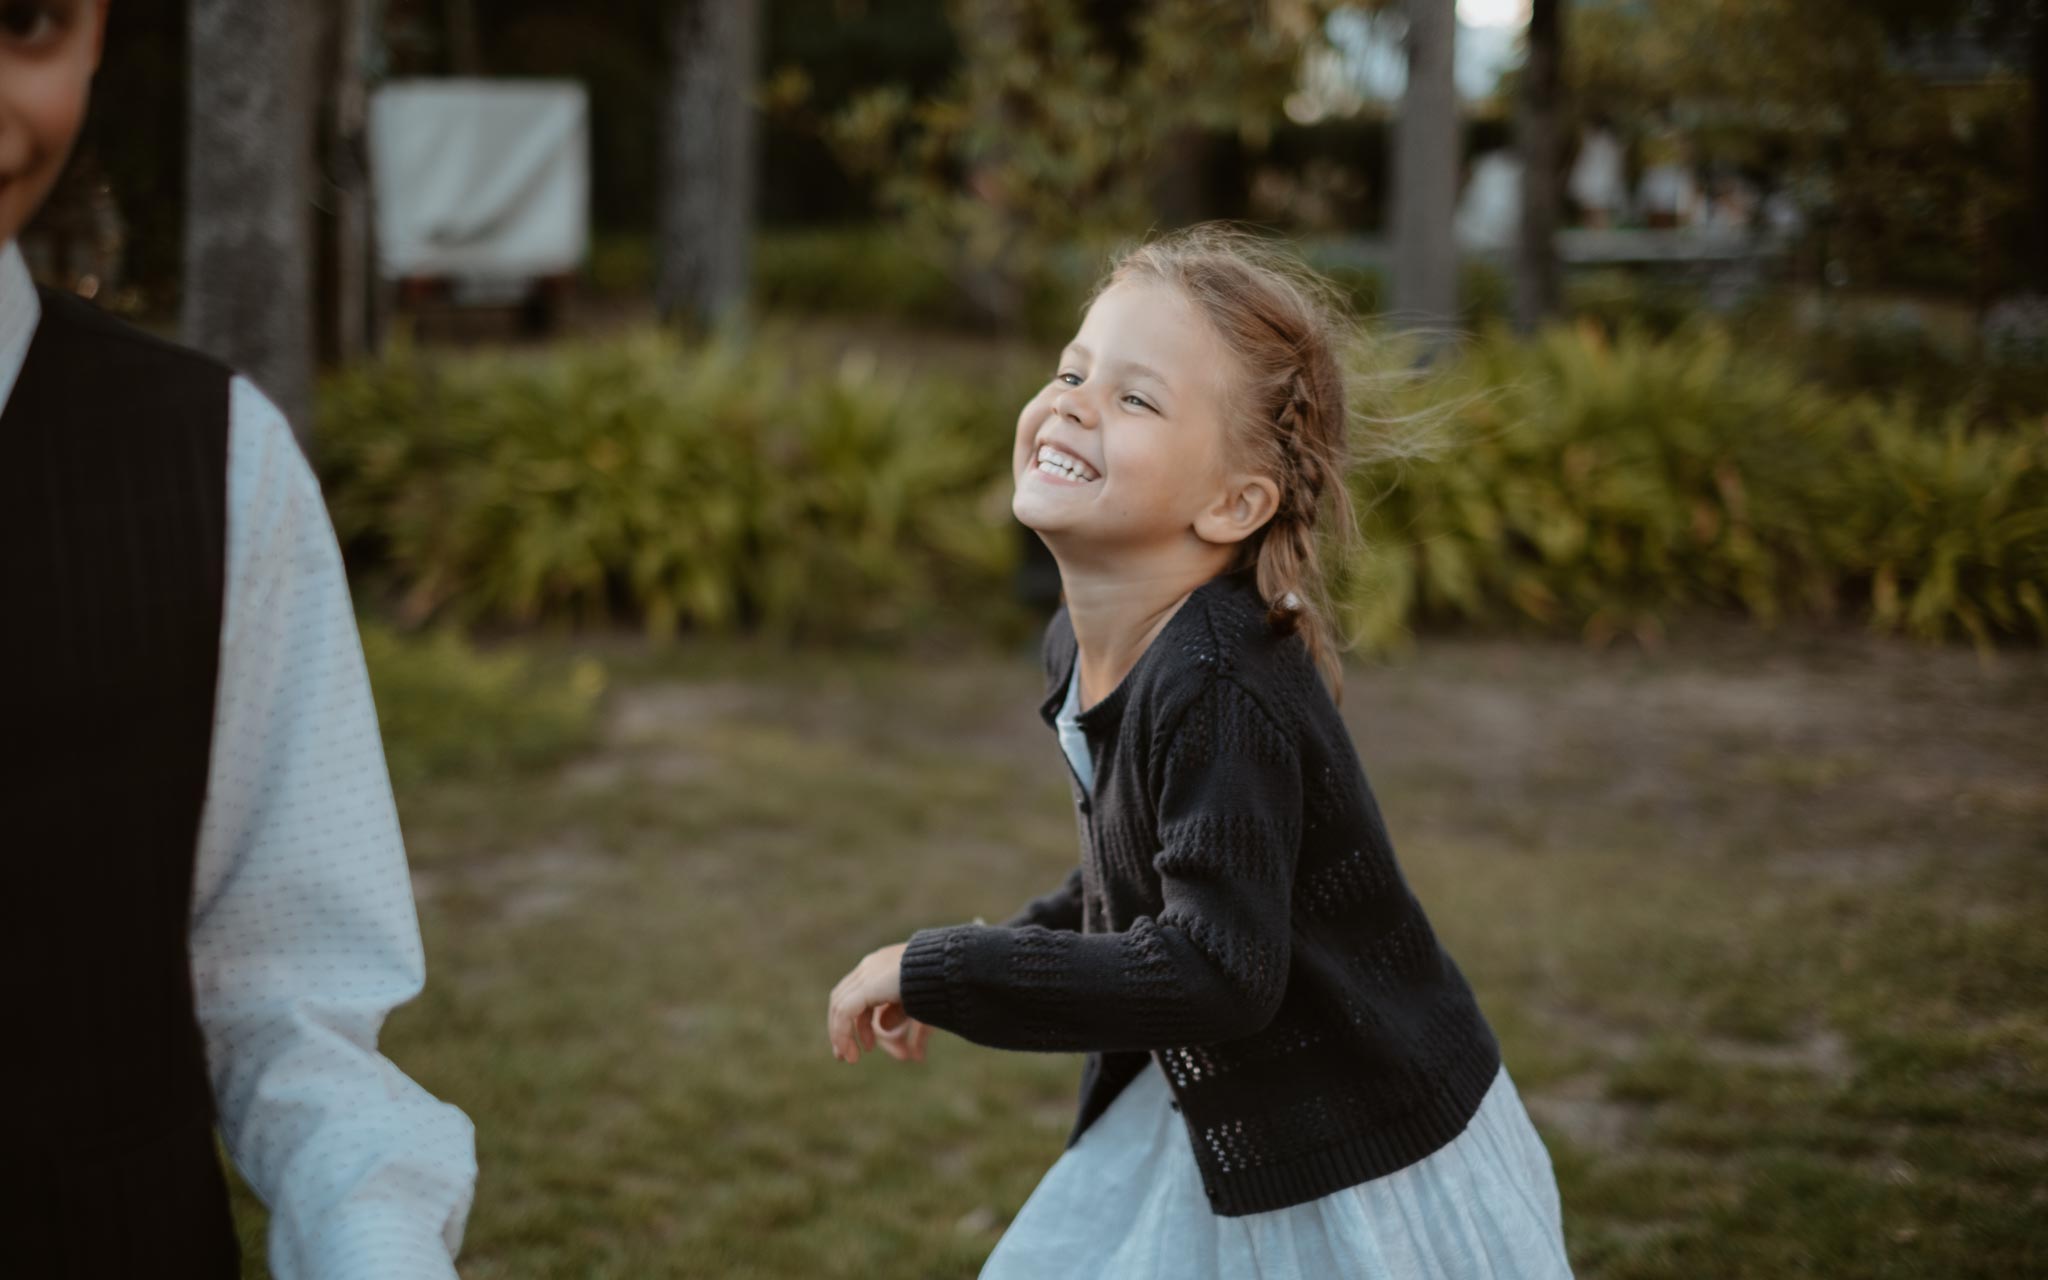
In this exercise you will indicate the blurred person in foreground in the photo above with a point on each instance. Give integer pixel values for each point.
(208, 908)
(1287, 1076)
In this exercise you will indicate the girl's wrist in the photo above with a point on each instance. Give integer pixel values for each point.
(895, 971)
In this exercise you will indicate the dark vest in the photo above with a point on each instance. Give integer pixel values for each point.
(113, 505)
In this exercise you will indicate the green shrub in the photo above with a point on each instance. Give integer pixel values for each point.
(865, 271)
(1607, 486)
(883, 272)
(1621, 300)
(679, 486)
(1913, 350)
(1599, 485)
(1945, 528)
(448, 708)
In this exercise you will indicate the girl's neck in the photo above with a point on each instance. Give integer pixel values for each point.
(1117, 611)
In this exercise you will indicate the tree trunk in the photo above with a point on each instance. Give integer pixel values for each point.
(707, 169)
(1426, 157)
(1537, 291)
(344, 280)
(465, 56)
(2037, 215)
(247, 287)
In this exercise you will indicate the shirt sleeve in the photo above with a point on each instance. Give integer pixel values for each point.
(1210, 967)
(304, 934)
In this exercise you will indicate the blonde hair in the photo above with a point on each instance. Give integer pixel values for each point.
(1286, 328)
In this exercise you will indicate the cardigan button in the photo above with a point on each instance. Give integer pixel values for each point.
(1175, 1104)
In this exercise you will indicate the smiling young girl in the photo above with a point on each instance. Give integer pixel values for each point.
(1287, 1076)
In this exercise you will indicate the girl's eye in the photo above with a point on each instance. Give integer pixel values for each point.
(27, 21)
(1071, 379)
(1138, 401)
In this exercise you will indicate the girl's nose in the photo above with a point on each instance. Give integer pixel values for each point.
(1077, 409)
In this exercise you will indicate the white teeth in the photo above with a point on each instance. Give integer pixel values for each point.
(1058, 463)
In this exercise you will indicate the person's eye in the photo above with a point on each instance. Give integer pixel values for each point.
(1139, 401)
(1068, 376)
(27, 21)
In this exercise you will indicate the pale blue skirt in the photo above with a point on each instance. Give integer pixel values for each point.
(1126, 1202)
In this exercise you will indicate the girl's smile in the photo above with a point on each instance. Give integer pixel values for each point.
(1063, 466)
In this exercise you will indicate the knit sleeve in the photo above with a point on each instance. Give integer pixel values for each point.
(1210, 967)
(1059, 909)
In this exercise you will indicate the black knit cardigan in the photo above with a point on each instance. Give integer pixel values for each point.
(1238, 914)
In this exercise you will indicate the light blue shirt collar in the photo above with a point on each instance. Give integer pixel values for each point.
(1073, 739)
(20, 312)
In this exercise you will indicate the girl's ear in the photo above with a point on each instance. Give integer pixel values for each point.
(1241, 510)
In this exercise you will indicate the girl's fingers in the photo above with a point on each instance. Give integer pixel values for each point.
(841, 1013)
(839, 1029)
(832, 1022)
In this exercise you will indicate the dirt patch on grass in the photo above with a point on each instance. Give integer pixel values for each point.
(1821, 1053)
(1579, 1110)
(523, 885)
(1823, 751)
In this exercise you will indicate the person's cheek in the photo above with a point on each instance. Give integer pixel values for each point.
(46, 108)
(62, 112)
(1028, 422)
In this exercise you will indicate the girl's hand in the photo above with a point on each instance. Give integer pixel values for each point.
(877, 980)
(898, 1034)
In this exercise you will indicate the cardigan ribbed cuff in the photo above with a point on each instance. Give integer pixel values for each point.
(927, 977)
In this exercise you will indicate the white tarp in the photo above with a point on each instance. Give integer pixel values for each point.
(480, 179)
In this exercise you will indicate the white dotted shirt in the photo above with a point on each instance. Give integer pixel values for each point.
(304, 935)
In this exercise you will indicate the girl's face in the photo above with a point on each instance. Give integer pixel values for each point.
(48, 52)
(1125, 449)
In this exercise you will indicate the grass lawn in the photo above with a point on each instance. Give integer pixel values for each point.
(1761, 922)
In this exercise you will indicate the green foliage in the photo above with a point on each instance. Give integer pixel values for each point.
(448, 708)
(1048, 136)
(1607, 486)
(1906, 183)
(1579, 482)
(679, 486)
(1616, 299)
(1931, 354)
(1948, 526)
(864, 271)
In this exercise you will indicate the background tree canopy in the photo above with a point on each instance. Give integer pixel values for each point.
(1121, 113)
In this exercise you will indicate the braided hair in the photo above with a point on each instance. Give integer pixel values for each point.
(1287, 409)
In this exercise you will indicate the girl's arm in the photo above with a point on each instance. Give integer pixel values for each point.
(1210, 967)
